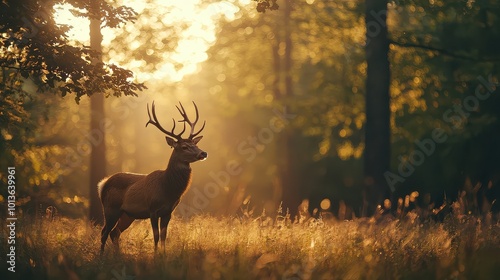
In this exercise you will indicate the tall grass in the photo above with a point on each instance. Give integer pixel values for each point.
(207, 247)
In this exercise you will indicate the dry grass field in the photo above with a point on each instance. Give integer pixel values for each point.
(206, 247)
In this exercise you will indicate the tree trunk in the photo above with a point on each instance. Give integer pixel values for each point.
(377, 130)
(98, 153)
(289, 179)
(276, 65)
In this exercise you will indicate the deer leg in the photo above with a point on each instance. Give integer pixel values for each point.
(110, 221)
(154, 225)
(123, 223)
(115, 237)
(163, 226)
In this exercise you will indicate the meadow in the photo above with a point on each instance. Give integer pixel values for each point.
(246, 247)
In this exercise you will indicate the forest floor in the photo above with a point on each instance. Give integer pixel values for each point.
(206, 247)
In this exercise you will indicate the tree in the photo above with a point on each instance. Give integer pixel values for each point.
(33, 46)
(37, 58)
(377, 98)
(287, 167)
(446, 55)
(98, 153)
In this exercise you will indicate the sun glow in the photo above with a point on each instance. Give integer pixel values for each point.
(194, 41)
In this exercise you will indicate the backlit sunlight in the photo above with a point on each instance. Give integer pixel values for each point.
(193, 43)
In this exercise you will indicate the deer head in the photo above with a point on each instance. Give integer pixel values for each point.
(185, 149)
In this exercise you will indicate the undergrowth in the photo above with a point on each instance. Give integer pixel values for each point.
(206, 247)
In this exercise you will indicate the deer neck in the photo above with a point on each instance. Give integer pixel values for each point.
(178, 174)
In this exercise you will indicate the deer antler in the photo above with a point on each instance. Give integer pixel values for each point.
(156, 123)
(191, 124)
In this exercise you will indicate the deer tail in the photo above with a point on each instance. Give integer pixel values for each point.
(101, 185)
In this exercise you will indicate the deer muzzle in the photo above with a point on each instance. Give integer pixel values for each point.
(202, 155)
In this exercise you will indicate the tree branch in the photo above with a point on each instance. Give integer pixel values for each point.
(19, 68)
(444, 52)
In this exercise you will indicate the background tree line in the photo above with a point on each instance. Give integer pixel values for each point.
(308, 59)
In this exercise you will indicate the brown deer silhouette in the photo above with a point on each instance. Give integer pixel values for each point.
(129, 196)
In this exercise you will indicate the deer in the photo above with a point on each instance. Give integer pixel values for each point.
(126, 197)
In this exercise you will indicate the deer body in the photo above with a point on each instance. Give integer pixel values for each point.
(129, 196)
(161, 189)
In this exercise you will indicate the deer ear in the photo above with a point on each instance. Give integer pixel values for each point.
(197, 139)
(171, 142)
